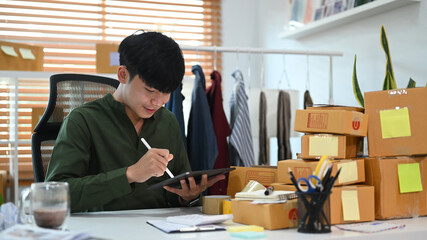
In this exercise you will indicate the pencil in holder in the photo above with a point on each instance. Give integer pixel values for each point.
(314, 212)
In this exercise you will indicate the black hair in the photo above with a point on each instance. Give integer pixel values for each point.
(155, 58)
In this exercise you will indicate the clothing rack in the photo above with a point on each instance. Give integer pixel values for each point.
(237, 50)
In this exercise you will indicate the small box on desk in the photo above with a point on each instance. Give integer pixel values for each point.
(314, 146)
(238, 178)
(331, 121)
(270, 216)
(353, 170)
(357, 204)
(400, 186)
(397, 122)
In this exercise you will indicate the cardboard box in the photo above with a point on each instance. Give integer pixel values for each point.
(21, 57)
(238, 178)
(353, 170)
(365, 202)
(213, 204)
(314, 146)
(351, 204)
(397, 122)
(107, 60)
(390, 203)
(269, 216)
(331, 121)
(336, 107)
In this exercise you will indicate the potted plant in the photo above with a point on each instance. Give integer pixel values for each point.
(389, 80)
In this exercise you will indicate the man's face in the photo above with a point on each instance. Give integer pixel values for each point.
(141, 100)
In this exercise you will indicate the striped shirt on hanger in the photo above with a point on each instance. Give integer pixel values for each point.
(241, 142)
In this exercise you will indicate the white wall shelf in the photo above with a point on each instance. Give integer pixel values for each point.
(349, 16)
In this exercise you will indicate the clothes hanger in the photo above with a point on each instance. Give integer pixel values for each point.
(307, 81)
(215, 58)
(262, 71)
(284, 74)
(249, 69)
(197, 56)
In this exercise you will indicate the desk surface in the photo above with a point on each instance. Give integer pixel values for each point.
(132, 225)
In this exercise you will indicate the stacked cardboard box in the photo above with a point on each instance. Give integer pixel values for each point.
(269, 216)
(397, 146)
(337, 132)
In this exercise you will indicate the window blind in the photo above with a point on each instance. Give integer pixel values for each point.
(69, 30)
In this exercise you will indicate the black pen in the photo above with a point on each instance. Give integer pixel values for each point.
(269, 191)
(294, 181)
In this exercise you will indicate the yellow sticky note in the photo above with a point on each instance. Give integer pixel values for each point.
(9, 51)
(26, 53)
(348, 172)
(395, 123)
(409, 177)
(350, 205)
(245, 228)
(319, 146)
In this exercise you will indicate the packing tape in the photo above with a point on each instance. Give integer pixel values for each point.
(253, 186)
(213, 204)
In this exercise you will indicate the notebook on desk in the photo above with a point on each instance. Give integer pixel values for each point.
(191, 223)
(169, 227)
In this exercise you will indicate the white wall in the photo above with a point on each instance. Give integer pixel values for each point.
(258, 23)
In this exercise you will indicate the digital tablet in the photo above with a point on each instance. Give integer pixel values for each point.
(175, 182)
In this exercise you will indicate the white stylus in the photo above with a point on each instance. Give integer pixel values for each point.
(148, 147)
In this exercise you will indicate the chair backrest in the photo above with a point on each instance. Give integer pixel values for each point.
(67, 91)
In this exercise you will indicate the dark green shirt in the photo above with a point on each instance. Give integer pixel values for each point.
(96, 144)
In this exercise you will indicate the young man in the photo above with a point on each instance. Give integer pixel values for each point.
(99, 150)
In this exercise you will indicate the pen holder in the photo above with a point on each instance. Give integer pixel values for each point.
(314, 212)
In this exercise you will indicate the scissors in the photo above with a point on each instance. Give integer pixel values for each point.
(311, 187)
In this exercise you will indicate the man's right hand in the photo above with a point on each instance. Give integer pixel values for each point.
(152, 164)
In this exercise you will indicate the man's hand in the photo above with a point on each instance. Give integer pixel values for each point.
(192, 190)
(152, 164)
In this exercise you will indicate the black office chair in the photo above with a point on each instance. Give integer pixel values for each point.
(67, 91)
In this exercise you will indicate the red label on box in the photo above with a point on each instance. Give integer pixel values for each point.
(293, 214)
(356, 124)
(317, 120)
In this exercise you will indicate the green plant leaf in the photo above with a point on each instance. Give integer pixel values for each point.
(389, 67)
(388, 83)
(411, 83)
(356, 90)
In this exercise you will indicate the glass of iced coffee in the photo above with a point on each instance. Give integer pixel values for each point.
(49, 204)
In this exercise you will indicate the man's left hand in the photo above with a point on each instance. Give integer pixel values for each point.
(191, 191)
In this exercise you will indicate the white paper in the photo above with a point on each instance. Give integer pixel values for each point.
(26, 53)
(27, 232)
(9, 50)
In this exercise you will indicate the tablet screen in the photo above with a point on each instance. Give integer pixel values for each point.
(175, 182)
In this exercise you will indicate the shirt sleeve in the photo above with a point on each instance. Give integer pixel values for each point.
(71, 162)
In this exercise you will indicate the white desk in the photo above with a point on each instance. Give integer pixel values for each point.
(132, 225)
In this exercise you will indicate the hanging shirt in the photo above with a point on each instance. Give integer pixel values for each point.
(241, 143)
(263, 147)
(175, 105)
(222, 130)
(284, 126)
(201, 140)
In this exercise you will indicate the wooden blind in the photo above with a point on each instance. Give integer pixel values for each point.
(69, 29)
(15, 139)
